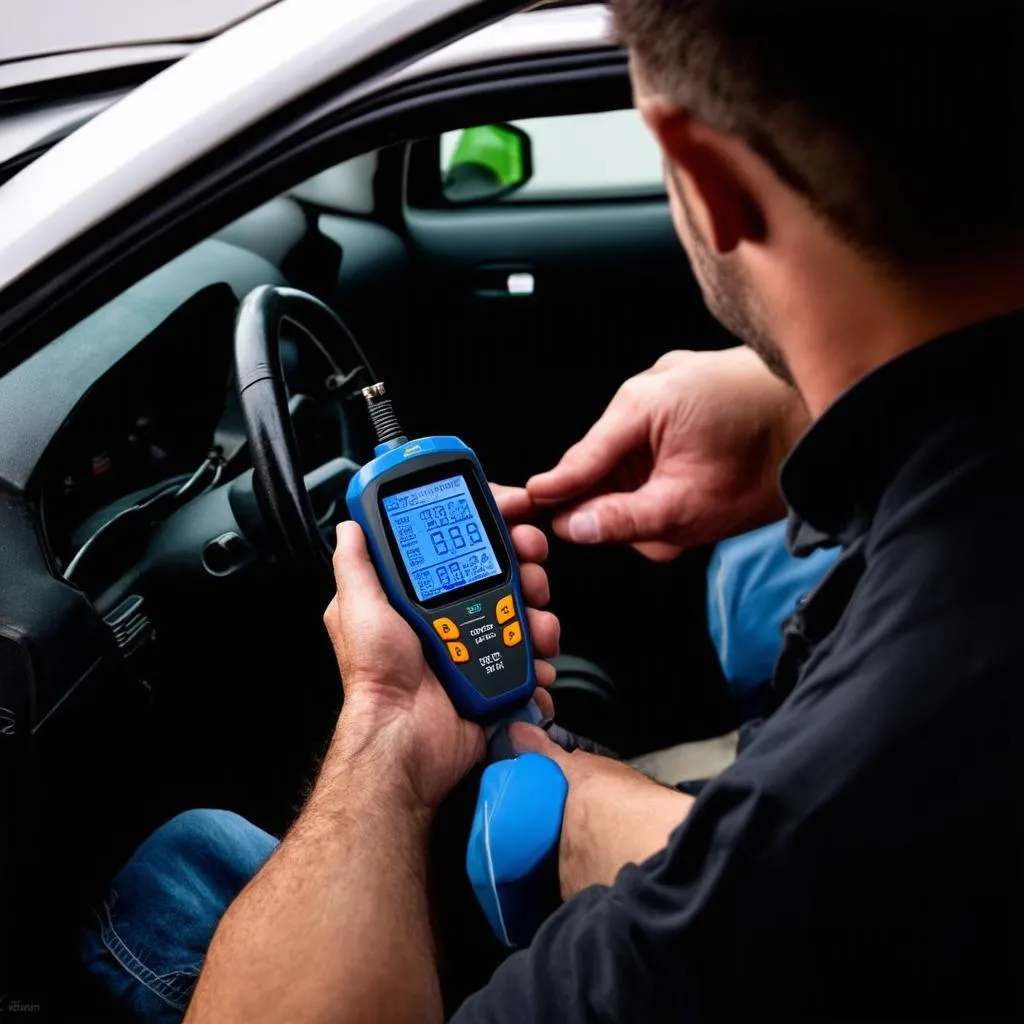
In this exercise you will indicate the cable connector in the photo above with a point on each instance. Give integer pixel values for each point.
(385, 422)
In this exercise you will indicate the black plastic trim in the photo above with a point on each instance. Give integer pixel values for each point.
(80, 86)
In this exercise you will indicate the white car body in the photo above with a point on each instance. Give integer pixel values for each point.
(234, 82)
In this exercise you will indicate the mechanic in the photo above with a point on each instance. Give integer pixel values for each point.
(846, 180)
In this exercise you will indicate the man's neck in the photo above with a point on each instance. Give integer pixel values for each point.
(850, 317)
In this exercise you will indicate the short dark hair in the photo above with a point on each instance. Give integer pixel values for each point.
(898, 120)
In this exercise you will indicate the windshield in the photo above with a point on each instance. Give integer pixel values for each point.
(62, 63)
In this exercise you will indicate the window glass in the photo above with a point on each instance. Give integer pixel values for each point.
(583, 156)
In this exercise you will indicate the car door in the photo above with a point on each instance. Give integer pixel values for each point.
(527, 312)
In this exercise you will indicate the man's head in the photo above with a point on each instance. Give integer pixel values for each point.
(884, 132)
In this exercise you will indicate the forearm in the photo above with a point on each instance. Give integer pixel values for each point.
(336, 926)
(613, 819)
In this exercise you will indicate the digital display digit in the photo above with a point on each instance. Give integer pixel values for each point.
(441, 537)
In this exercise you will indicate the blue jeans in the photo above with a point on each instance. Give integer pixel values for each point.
(754, 584)
(147, 939)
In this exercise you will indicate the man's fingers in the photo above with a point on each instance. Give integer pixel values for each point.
(659, 551)
(545, 672)
(354, 573)
(529, 739)
(619, 431)
(536, 589)
(514, 503)
(530, 543)
(359, 587)
(546, 632)
(545, 703)
(649, 513)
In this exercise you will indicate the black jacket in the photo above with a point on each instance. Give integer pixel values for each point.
(863, 858)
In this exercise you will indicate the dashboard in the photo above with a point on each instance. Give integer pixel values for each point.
(169, 413)
(129, 397)
(40, 396)
(87, 419)
(150, 419)
(124, 403)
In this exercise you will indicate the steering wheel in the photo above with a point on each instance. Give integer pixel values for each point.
(285, 496)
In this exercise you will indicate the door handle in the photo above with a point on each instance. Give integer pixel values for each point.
(506, 281)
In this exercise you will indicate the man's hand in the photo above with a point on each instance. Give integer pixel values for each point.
(336, 924)
(614, 815)
(686, 453)
(396, 717)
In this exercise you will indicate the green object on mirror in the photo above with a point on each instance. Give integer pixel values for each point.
(489, 161)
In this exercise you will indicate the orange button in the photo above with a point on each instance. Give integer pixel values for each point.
(446, 629)
(458, 652)
(506, 609)
(512, 634)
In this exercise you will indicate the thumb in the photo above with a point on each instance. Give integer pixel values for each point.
(528, 739)
(590, 460)
(358, 585)
(653, 512)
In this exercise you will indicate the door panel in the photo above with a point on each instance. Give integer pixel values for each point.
(521, 377)
(612, 292)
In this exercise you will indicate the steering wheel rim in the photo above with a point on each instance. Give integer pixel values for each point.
(280, 488)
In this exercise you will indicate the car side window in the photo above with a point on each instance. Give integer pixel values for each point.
(607, 155)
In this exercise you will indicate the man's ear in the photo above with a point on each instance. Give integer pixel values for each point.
(705, 162)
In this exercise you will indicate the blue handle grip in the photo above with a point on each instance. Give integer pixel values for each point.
(512, 857)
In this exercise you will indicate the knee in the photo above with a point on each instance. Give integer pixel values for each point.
(211, 831)
(184, 876)
(206, 840)
(147, 939)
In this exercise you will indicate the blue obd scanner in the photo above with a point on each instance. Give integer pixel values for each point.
(445, 560)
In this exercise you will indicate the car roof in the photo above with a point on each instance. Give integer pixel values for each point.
(46, 27)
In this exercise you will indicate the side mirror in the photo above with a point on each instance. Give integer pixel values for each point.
(488, 162)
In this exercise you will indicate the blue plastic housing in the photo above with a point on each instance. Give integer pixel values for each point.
(512, 856)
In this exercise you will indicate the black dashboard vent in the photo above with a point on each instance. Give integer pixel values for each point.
(130, 625)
